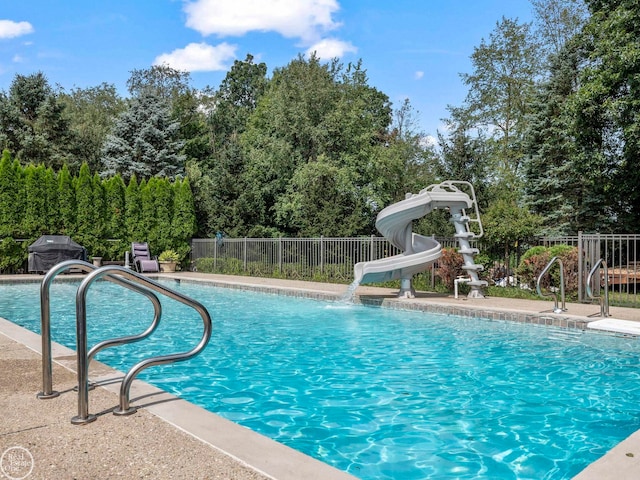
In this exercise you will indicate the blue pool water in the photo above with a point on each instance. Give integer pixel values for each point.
(382, 394)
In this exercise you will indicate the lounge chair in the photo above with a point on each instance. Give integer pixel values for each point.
(142, 259)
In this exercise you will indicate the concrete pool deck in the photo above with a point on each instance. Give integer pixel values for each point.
(169, 438)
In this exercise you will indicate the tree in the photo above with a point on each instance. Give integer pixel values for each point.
(183, 223)
(85, 215)
(52, 218)
(507, 224)
(135, 231)
(558, 186)
(312, 111)
(318, 194)
(606, 108)
(32, 122)
(500, 89)
(215, 177)
(161, 192)
(91, 113)
(464, 153)
(66, 202)
(35, 214)
(10, 196)
(235, 100)
(144, 141)
(558, 21)
(114, 190)
(160, 81)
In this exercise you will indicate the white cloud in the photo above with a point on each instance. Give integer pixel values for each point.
(418, 75)
(199, 57)
(330, 48)
(17, 59)
(11, 29)
(428, 141)
(304, 19)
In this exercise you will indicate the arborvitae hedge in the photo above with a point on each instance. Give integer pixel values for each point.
(103, 215)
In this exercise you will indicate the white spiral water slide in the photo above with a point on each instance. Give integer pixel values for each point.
(418, 251)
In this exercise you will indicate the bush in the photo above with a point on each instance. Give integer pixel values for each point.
(450, 267)
(536, 259)
(12, 256)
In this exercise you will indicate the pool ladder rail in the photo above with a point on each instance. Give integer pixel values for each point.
(556, 308)
(128, 279)
(603, 299)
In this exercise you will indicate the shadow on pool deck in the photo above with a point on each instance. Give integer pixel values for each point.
(169, 438)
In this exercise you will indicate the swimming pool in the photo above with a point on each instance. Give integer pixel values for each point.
(378, 393)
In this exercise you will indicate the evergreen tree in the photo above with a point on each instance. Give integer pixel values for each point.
(144, 141)
(148, 209)
(115, 217)
(83, 185)
(160, 234)
(35, 215)
(52, 218)
(557, 186)
(9, 196)
(606, 110)
(99, 214)
(133, 211)
(66, 202)
(183, 223)
(32, 122)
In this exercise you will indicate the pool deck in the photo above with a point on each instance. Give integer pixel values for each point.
(168, 438)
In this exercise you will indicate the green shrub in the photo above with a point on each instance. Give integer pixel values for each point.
(12, 256)
(536, 259)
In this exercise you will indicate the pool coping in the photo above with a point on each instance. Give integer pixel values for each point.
(251, 449)
(275, 460)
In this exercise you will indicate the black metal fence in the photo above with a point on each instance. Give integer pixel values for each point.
(332, 259)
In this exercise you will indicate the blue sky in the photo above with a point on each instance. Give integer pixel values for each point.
(412, 49)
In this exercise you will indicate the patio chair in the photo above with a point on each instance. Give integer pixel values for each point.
(142, 259)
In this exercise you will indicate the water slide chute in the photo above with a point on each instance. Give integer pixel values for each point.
(419, 252)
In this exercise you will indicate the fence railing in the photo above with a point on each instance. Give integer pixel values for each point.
(312, 258)
(621, 252)
(332, 259)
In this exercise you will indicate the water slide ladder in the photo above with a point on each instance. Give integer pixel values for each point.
(128, 279)
(461, 221)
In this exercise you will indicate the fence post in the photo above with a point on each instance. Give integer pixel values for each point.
(580, 267)
(371, 249)
(244, 254)
(280, 254)
(321, 254)
(215, 256)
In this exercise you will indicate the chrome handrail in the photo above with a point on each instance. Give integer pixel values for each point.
(604, 301)
(546, 269)
(81, 339)
(45, 319)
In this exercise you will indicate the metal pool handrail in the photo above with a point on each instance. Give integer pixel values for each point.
(45, 319)
(556, 309)
(604, 300)
(81, 339)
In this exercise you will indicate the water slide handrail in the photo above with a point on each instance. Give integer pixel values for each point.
(604, 300)
(45, 319)
(450, 184)
(555, 296)
(81, 339)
